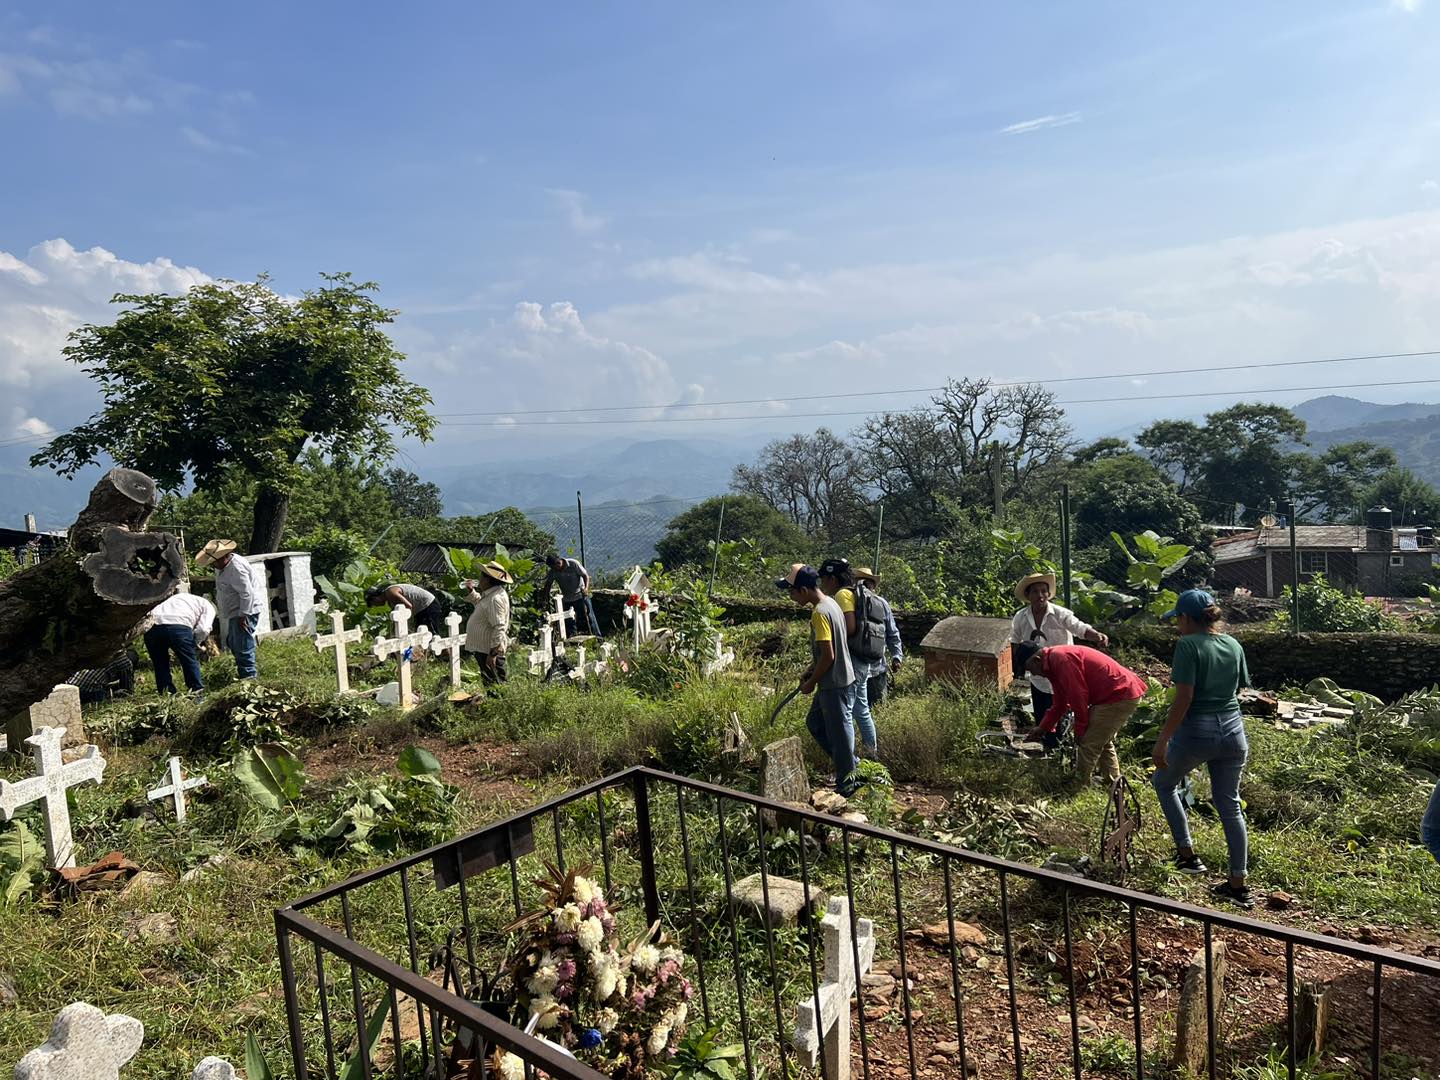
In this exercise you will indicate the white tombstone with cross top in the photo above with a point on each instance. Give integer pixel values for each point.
(639, 607)
(337, 639)
(403, 645)
(176, 788)
(556, 621)
(541, 657)
(453, 643)
(831, 1029)
(55, 776)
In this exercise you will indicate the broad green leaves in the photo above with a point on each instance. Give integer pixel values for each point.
(271, 775)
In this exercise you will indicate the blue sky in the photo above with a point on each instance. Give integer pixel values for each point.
(644, 204)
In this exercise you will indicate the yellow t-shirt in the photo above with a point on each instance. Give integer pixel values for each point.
(819, 626)
(846, 599)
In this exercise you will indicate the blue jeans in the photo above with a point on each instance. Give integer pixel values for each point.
(1430, 827)
(240, 640)
(864, 723)
(584, 610)
(1218, 741)
(159, 642)
(829, 721)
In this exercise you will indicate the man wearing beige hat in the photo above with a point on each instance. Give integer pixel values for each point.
(487, 632)
(239, 592)
(1044, 624)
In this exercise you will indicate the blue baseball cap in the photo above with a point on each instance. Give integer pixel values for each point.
(1192, 602)
(799, 577)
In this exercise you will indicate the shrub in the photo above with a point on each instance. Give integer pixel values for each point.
(1326, 609)
(922, 735)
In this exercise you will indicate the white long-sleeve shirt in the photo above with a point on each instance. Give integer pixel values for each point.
(1060, 626)
(488, 628)
(185, 609)
(240, 588)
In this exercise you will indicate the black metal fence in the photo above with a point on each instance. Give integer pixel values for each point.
(390, 973)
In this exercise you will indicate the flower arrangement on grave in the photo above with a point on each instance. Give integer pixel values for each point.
(622, 1011)
(635, 600)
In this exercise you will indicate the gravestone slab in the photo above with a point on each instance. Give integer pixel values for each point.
(783, 777)
(213, 1068)
(1192, 1042)
(60, 709)
(84, 1044)
(775, 900)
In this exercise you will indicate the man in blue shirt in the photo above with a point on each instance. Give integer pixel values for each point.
(878, 673)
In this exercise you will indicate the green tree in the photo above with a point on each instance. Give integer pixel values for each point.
(689, 535)
(508, 526)
(233, 379)
(1332, 484)
(411, 497)
(1128, 495)
(1413, 501)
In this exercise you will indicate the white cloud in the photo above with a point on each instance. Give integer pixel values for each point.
(201, 141)
(1040, 123)
(1430, 187)
(1410, 7)
(53, 289)
(574, 204)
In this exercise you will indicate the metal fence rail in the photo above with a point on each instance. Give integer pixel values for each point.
(394, 962)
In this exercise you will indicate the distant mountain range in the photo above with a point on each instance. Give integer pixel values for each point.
(1411, 430)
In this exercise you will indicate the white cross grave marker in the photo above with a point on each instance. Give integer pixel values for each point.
(640, 612)
(176, 788)
(83, 1042)
(558, 618)
(720, 657)
(540, 658)
(337, 639)
(56, 774)
(841, 980)
(403, 645)
(454, 642)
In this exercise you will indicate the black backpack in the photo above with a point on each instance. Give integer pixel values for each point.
(868, 644)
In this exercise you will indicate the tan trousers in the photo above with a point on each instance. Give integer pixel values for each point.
(1098, 742)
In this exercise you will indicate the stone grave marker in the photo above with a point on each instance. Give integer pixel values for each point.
(784, 778)
(49, 786)
(1192, 1039)
(402, 645)
(831, 1028)
(84, 1044)
(720, 657)
(60, 709)
(337, 639)
(176, 788)
(452, 643)
(541, 657)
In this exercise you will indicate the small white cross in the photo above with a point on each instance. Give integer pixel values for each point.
(454, 643)
(540, 658)
(83, 1042)
(403, 644)
(176, 788)
(720, 657)
(558, 619)
(337, 639)
(841, 979)
(55, 775)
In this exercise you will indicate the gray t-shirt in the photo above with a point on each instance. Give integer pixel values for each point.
(569, 577)
(419, 598)
(827, 622)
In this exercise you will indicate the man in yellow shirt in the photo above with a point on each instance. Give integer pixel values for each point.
(838, 582)
(831, 676)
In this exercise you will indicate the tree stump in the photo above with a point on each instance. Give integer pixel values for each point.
(77, 608)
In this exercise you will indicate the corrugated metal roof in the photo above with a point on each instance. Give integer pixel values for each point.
(1309, 537)
(429, 557)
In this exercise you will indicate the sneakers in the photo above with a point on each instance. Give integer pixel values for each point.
(1240, 897)
(1190, 864)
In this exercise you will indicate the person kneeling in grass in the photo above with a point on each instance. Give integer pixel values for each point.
(831, 677)
(1205, 728)
(1102, 695)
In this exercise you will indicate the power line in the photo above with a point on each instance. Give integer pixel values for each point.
(937, 389)
(918, 409)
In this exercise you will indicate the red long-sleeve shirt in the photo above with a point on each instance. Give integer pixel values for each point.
(1083, 678)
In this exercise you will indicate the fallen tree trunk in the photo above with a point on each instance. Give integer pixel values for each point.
(76, 609)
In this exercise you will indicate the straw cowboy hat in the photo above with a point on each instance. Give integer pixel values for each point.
(496, 571)
(1030, 579)
(214, 551)
(864, 573)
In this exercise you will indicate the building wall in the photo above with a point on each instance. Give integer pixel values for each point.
(990, 671)
(1378, 578)
(1243, 574)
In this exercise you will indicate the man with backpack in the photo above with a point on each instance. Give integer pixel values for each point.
(877, 687)
(864, 640)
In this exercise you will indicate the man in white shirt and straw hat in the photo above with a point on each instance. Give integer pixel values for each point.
(1045, 624)
(239, 593)
(487, 632)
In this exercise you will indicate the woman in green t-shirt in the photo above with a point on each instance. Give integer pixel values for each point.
(1205, 728)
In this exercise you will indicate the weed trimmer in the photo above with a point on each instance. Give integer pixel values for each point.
(779, 705)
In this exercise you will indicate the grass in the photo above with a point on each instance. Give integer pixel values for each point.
(1332, 824)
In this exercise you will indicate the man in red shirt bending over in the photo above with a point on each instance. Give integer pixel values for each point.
(1102, 695)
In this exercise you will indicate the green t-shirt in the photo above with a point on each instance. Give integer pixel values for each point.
(1215, 665)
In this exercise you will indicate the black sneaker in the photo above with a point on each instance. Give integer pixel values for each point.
(1190, 864)
(1240, 897)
